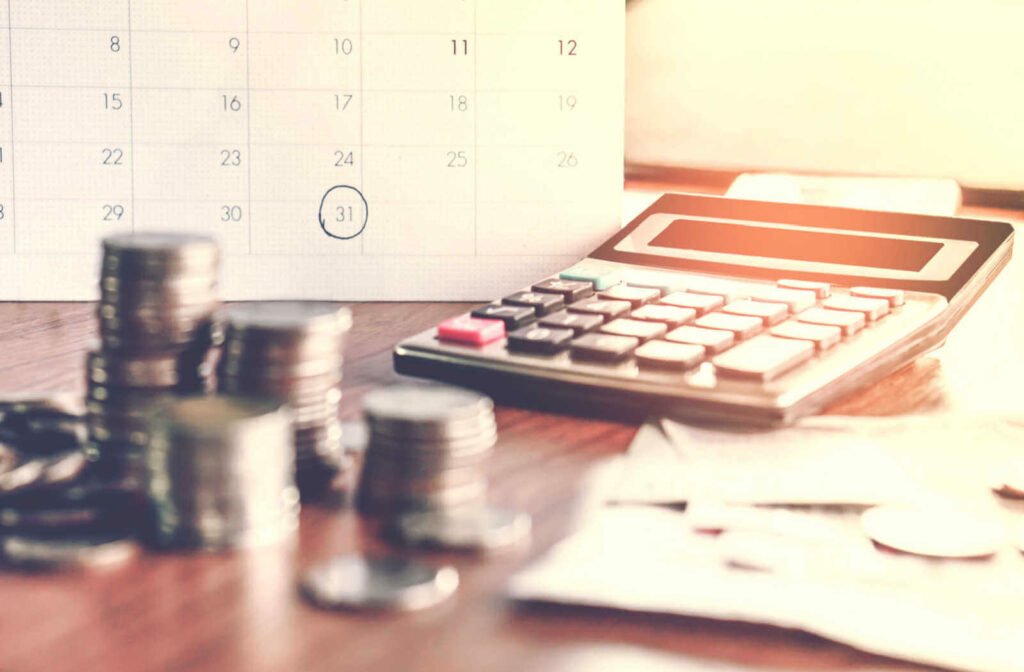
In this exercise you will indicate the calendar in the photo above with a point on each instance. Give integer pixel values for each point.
(337, 149)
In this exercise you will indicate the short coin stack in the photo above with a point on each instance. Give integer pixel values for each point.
(158, 299)
(291, 351)
(220, 474)
(427, 449)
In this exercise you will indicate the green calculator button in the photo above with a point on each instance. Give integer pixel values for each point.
(601, 277)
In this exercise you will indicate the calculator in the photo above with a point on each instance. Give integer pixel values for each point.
(722, 309)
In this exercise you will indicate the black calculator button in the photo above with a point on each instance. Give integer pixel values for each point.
(571, 290)
(604, 347)
(637, 296)
(701, 303)
(645, 331)
(543, 304)
(673, 316)
(540, 339)
(606, 308)
(580, 323)
(665, 355)
(513, 316)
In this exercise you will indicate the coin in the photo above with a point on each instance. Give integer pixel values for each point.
(85, 551)
(934, 533)
(427, 411)
(159, 253)
(389, 583)
(472, 529)
(69, 403)
(163, 369)
(273, 317)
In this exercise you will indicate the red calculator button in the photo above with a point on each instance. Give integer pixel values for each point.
(473, 330)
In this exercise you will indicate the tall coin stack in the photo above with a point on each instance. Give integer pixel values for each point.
(427, 449)
(220, 474)
(292, 351)
(158, 299)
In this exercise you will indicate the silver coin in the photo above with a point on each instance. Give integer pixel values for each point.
(24, 475)
(422, 410)
(354, 436)
(69, 403)
(159, 253)
(933, 533)
(389, 583)
(289, 316)
(87, 551)
(472, 529)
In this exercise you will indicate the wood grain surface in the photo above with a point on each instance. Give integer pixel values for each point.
(227, 612)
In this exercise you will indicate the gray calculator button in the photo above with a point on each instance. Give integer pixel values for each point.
(702, 303)
(637, 296)
(763, 358)
(543, 304)
(769, 313)
(604, 347)
(872, 309)
(727, 289)
(795, 299)
(743, 326)
(645, 331)
(539, 339)
(895, 297)
(580, 323)
(822, 290)
(673, 316)
(849, 322)
(666, 355)
(823, 336)
(713, 340)
(513, 316)
(571, 290)
(606, 308)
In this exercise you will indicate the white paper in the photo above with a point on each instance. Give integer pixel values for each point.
(480, 142)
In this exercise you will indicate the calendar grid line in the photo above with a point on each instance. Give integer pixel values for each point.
(248, 128)
(476, 133)
(318, 33)
(362, 121)
(10, 73)
(277, 89)
(131, 113)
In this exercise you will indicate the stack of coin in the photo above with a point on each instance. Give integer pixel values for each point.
(291, 351)
(220, 474)
(58, 509)
(158, 298)
(427, 449)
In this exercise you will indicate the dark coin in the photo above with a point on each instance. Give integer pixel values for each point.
(142, 254)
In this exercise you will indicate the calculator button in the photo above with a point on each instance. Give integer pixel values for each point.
(743, 326)
(824, 336)
(571, 290)
(727, 289)
(666, 283)
(870, 308)
(713, 340)
(673, 316)
(601, 278)
(665, 355)
(606, 308)
(822, 290)
(637, 296)
(472, 330)
(795, 299)
(603, 347)
(893, 296)
(545, 340)
(763, 358)
(513, 316)
(645, 331)
(848, 321)
(542, 304)
(770, 313)
(580, 323)
(701, 303)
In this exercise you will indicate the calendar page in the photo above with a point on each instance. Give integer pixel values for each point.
(340, 149)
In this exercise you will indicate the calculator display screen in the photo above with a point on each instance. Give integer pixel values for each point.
(805, 245)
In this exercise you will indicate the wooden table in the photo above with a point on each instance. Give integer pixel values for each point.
(242, 611)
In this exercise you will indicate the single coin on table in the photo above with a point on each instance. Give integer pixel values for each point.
(935, 533)
(86, 551)
(389, 583)
(482, 528)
